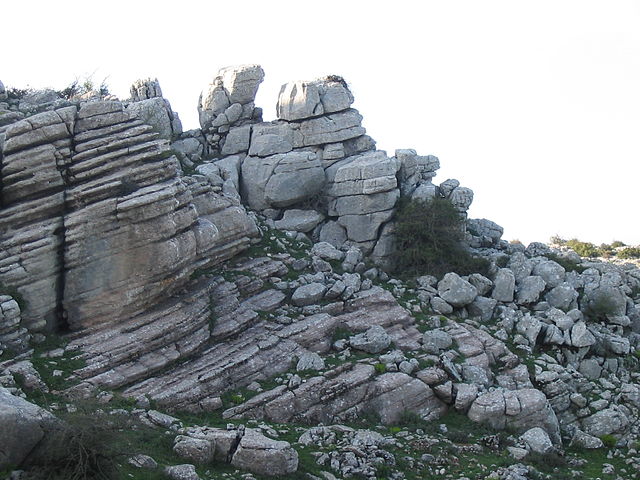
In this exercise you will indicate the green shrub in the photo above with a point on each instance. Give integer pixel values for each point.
(429, 240)
(629, 252)
(609, 440)
(617, 244)
(584, 249)
(380, 368)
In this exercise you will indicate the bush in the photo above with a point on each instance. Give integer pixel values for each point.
(609, 440)
(85, 446)
(380, 368)
(629, 252)
(429, 240)
(584, 249)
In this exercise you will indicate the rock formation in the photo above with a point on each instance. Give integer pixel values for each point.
(133, 238)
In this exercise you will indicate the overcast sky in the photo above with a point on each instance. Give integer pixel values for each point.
(535, 105)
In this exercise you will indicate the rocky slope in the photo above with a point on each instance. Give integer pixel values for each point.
(233, 277)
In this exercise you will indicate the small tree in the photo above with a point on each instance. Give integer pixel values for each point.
(429, 238)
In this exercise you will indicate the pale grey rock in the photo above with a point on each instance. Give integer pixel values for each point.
(232, 85)
(476, 375)
(482, 307)
(24, 427)
(300, 100)
(13, 336)
(366, 174)
(334, 233)
(212, 172)
(332, 128)
(382, 254)
(584, 440)
(537, 249)
(551, 272)
(144, 89)
(263, 456)
(553, 335)
(606, 300)
(352, 258)
(363, 204)
(190, 146)
(425, 192)
(590, 368)
(374, 340)
(456, 291)
(529, 327)
(605, 422)
(529, 290)
(440, 306)
(504, 285)
(518, 409)
(182, 472)
(482, 283)
(3, 92)
(466, 393)
(563, 297)
(537, 441)
(448, 186)
(237, 140)
(364, 228)
(299, 220)
(520, 265)
(197, 450)
(281, 180)
(308, 294)
(327, 251)
(581, 336)
(333, 151)
(309, 361)
(157, 113)
(270, 138)
(143, 461)
(461, 198)
(481, 227)
(434, 341)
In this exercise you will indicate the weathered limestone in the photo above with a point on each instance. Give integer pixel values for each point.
(13, 337)
(281, 180)
(228, 104)
(300, 100)
(25, 426)
(35, 152)
(517, 409)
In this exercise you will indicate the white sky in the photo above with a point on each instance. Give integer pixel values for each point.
(535, 105)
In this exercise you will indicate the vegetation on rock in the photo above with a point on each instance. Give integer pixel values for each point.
(429, 240)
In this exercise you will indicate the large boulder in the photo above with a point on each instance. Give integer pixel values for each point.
(504, 285)
(24, 426)
(232, 85)
(300, 100)
(263, 456)
(281, 180)
(456, 291)
(520, 410)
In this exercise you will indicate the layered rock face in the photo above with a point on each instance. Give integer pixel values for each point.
(97, 224)
(124, 229)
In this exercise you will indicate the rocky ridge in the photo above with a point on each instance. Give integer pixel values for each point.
(129, 234)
